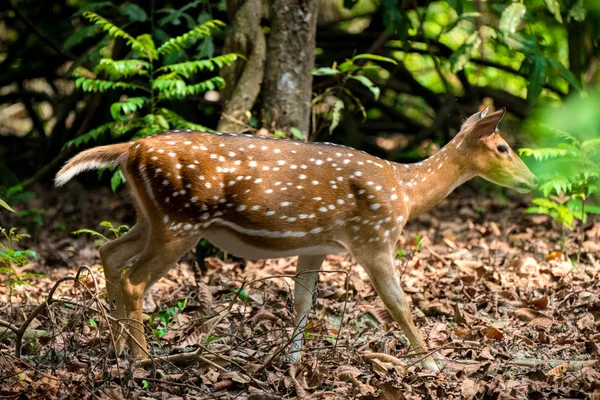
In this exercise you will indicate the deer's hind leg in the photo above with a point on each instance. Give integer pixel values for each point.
(115, 255)
(305, 287)
(164, 248)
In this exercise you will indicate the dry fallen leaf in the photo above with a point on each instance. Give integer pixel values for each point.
(493, 333)
(468, 389)
(541, 303)
(555, 255)
(559, 370)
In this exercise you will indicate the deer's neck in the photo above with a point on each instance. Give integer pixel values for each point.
(428, 182)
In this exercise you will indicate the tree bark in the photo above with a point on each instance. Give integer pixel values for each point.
(291, 58)
(243, 79)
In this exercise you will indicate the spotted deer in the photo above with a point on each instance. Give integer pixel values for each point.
(261, 198)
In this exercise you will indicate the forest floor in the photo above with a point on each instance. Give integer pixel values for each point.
(513, 315)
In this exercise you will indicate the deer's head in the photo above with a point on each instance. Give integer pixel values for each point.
(490, 156)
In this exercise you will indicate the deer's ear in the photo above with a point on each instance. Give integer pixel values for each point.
(487, 124)
(475, 117)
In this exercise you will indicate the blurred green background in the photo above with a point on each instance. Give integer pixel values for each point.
(433, 64)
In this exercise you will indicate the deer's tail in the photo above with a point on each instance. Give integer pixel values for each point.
(98, 157)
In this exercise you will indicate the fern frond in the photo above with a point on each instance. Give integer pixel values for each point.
(189, 38)
(121, 108)
(591, 146)
(178, 122)
(122, 68)
(214, 83)
(169, 83)
(138, 44)
(189, 68)
(178, 89)
(94, 134)
(557, 184)
(542, 154)
(152, 124)
(99, 85)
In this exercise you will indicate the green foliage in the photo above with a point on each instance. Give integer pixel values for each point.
(161, 319)
(568, 159)
(11, 258)
(143, 44)
(334, 99)
(189, 38)
(117, 231)
(5, 205)
(558, 211)
(147, 79)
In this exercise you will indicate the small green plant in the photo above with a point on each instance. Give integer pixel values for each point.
(117, 231)
(334, 99)
(164, 317)
(152, 76)
(11, 259)
(419, 242)
(571, 175)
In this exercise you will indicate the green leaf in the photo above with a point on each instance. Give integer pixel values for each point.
(117, 32)
(592, 209)
(368, 84)
(134, 12)
(177, 88)
(5, 205)
(89, 231)
(578, 12)
(536, 78)
(121, 109)
(554, 8)
(511, 17)
(348, 66)
(297, 133)
(178, 122)
(325, 71)
(242, 294)
(373, 57)
(116, 180)
(94, 134)
(122, 68)
(211, 339)
(565, 73)
(456, 5)
(99, 85)
(336, 115)
(189, 68)
(92, 322)
(542, 154)
(191, 37)
(206, 48)
(461, 56)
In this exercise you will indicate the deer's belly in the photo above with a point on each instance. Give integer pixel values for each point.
(256, 248)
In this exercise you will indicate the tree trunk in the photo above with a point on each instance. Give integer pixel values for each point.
(291, 58)
(244, 78)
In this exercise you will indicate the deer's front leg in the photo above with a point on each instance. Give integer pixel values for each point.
(387, 284)
(304, 288)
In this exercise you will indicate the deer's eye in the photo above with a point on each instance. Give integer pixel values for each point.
(502, 149)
